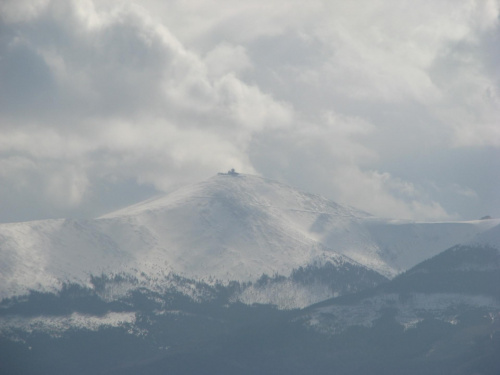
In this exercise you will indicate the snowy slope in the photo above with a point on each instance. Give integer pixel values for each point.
(40, 255)
(449, 287)
(224, 228)
(240, 227)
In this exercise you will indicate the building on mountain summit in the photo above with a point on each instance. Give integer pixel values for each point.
(230, 172)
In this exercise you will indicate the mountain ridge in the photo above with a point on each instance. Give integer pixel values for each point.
(226, 228)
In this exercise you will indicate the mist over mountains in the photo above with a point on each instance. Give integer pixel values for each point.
(244, 274)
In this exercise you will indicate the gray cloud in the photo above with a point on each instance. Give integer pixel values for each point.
(367, 105)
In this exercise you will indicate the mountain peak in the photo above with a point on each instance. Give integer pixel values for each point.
(237, 226)
(243, 189)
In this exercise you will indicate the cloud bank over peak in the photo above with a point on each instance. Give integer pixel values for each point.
(365, 104)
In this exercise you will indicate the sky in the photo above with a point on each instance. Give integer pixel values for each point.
(390, 106)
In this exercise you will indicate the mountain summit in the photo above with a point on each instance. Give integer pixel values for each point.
(236, 227)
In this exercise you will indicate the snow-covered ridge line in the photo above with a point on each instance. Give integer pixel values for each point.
(251, 190)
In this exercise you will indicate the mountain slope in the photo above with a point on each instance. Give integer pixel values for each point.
(463, 278)
(404, 326)
(472, 268)
(233, 228)
(441, 316)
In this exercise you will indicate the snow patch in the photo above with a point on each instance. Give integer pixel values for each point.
(409, 310)
(286, 294)
(57, 325)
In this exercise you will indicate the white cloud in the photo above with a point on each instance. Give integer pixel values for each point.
(385, 195)
(20, 10)
(324, 95)
(127, 100)
(464, 191)
(226, 59)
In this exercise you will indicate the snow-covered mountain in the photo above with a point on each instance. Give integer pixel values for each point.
(227, 228)
(136, 291)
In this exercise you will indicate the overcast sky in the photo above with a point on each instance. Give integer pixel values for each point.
(391, 106)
